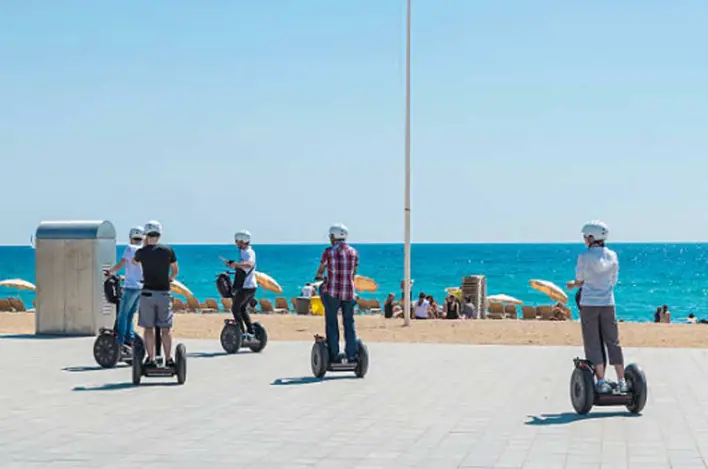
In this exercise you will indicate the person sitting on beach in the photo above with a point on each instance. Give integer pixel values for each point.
(561, 312)
(665, 314)
(596, 272)
(451, 308)
(341, 262)
(308, 291)
(691, 319)
(468, 309)
(388, 305)
(657, 314)
(422, 307)
(125, 332)
(434, 310)
(159, 264)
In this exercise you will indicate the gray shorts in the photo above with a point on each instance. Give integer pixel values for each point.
(599, 327)
(155, 309)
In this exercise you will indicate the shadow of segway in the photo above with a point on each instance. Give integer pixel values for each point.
(309, 380)
(564, 418)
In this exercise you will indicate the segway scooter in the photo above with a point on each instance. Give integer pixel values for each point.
(232, 335)
(106, 350)
(583, 394)
(161, 371)
(321, 362)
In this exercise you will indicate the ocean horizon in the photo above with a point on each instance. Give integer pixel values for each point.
(651, 274)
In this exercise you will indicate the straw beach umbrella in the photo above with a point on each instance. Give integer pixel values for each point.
(18, 284)
(365, 284)
(268, 283)
(179, 288)
(551, 289)
(501, 298)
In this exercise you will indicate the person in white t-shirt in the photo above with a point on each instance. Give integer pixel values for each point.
(422, 307)
(308, 291)
(132, 286)
(245, 283)
(596, 272)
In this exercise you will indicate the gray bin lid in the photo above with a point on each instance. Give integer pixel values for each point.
(76, 230)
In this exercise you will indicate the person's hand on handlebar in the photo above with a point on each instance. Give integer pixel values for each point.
(574, 284)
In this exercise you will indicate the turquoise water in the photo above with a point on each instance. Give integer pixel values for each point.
(650, 274)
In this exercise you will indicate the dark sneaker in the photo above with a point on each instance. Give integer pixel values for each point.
(150, 364)
(170, 363)
(341, 358)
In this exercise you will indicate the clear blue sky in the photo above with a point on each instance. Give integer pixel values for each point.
(284, 116)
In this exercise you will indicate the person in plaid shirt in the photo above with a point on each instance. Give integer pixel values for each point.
(341, 262)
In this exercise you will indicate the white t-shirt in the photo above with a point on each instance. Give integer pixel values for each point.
(598, 268)
(133, 273)
(421, 310)
(249, 255)
(308, 291)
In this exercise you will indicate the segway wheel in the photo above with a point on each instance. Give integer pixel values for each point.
(106, 351)
(319, 359)
(637, 382)
(181, 363)
(231, 337)
(582, 390)
(137, 365)
(261, 338)
(362, 363)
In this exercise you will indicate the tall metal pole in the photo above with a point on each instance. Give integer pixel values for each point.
(407, 209)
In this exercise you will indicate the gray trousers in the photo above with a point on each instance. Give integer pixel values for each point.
(155, 309)
(599, 324)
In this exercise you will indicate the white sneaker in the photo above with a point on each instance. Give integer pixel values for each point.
(622, 385)
(603, 387)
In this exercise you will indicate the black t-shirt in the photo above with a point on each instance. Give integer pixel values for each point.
(156, 260)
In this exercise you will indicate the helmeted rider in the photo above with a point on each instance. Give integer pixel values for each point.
(245, 284)
(125, 331)
(341, 262)
(160, 268)
(596, 273)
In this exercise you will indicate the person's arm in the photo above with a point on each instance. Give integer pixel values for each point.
(137, 258)
(323, 266)
(174, 268)
(245, 264)
(356, 262)
(116, 267)
(579, 275)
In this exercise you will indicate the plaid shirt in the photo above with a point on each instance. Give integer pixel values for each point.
(341, 261)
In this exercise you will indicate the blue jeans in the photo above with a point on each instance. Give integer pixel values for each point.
(128, 307)
(332, 306)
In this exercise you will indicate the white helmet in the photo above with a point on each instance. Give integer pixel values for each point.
(153, 228)
(597, 229)
(242, 236)
(137, 233)
(339, 232)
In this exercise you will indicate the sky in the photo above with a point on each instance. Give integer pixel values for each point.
(285, 116)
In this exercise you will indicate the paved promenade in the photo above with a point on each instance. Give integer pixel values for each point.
(424, 406)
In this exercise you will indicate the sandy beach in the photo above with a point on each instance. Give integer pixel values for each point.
(377, 329)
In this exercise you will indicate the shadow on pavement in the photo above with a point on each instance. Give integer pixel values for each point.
(570, 417)
(39, 337)
(76, 369)
(119, 386)
(307, 380)
(208, 354)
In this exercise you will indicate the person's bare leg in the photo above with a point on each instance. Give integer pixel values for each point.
(600, 372)
(167, 342)
(619, 369)
(150, 342)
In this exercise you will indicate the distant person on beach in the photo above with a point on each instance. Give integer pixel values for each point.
(596, 272)
(468, 309)
(422, 307)
(665, 314)
(245, 283)
(691, 319)
(657, 314)
(125, 331)
(160, 268)
(434, 310)
(341, 262)
(389, 305)
(308, 291)
(451, 308)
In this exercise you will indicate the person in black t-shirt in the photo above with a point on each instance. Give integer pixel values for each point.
(159, 270)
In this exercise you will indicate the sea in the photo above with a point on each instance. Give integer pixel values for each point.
(650, 274)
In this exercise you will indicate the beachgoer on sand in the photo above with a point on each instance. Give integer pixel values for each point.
(125, 331)
(341, 262)
(657, 314)
(469, 311)
(422, 307)
(245, 284)
(596, 272)
(159, 264)
(665, 314)
(389, 305)
(308, 291)
(451, 308)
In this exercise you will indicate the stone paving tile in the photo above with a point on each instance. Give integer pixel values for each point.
(421, 406)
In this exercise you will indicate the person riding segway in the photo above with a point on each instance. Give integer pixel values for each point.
(160, 268)
(596, 274)
(337, 292)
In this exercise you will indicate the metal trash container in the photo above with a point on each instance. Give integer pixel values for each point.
(302, 305)
(70, 258)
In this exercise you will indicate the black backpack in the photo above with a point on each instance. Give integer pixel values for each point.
(224, 285)
(112, 289)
